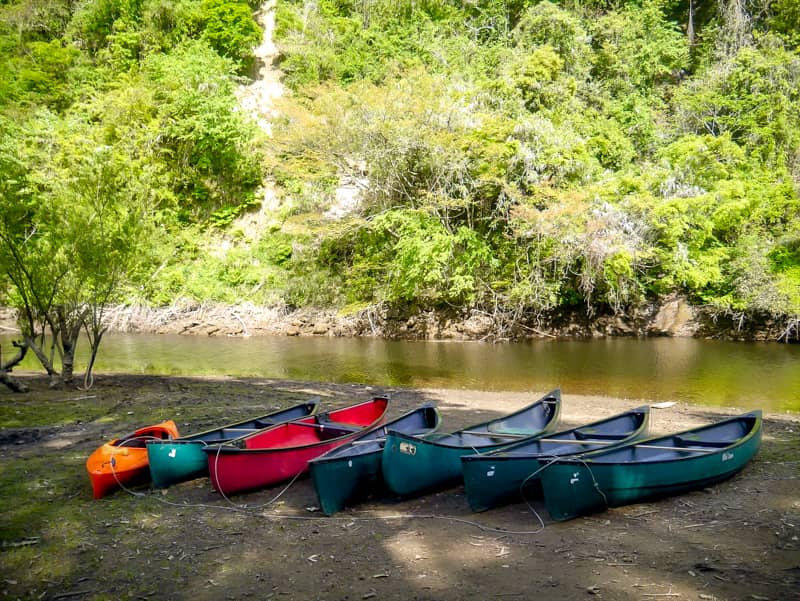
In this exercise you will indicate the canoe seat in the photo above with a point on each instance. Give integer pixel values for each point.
(341, 426)
(590, 435)
(329, 430)
(717, 444)
(236, 432)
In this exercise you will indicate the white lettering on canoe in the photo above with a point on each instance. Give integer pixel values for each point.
(574, 478)
(173, 452)
(408, 448)
(727, 456)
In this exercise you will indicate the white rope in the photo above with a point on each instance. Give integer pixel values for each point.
(113, 464)
(328, 519)
(594, 480)
(331, 519)
(246, 507)
(553, 459)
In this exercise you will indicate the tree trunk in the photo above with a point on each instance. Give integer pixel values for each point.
(69, 325)
(13, 384)
(39, 352)
(6, 367)
(68, 364)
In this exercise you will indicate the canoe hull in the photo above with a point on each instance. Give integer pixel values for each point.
(173, 461)
(412, 466)
(176, 462)
(511, 474)
(587, 484)
(104, 482)
(124, 460)
(489, 484)
(234, 471)
(353, 472)
(282, 452)
(347, 480)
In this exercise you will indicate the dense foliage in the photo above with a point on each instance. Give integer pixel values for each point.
(513, 155)
(535, 155)
(118, 130)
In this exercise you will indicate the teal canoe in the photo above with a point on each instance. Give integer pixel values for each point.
(183, 458)
(651, 468)
(413, 465)
(352, 472)
(511, 473)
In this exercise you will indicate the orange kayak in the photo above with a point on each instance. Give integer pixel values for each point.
(125, 459)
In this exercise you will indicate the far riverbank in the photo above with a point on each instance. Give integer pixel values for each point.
(671, 316)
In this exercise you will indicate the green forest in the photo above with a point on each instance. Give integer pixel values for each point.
(512, 155)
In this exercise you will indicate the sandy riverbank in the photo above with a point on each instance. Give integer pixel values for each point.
(737, 540)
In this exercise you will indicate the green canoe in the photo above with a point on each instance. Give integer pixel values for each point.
(648, 469)
(183, 458)
(352, 471)
(511, 473)
(413, 465)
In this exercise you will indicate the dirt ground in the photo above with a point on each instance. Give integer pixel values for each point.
(735, 541)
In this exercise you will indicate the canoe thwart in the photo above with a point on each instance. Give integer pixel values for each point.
(581, 442)
(714, 444)
(494, 434)
(329, 426)
(680, 449)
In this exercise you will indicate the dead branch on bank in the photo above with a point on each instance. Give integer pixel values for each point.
(6, 367)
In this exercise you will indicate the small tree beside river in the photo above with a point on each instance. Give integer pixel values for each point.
(72, 234)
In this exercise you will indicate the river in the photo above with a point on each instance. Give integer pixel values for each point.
(704, 372)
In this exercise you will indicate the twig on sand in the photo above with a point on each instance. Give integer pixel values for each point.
(73, 594)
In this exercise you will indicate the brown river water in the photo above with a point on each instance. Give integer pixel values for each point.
(703, 372)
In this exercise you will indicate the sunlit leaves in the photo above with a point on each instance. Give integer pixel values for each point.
(637, 49)
(407, 256)
(203, 139)
(753, 98)
(229, 28)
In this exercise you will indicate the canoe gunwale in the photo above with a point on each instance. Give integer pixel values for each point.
(552, 398)
(412, 466)
(427, 441)
(504, 454)
(314, 402)
(234, 469)
(582, 484)
(499, 477)
(592, 457)
(339, 454)
(229, 446)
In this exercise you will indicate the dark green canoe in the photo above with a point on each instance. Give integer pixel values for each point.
(352, 471)
(413, 465)
(651, 468)
(183, 458)
(511, 473)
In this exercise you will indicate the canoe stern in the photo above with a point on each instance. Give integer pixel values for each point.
(176, 461)
(345, 480)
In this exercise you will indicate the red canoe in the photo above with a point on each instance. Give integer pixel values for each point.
(282, 452)
(124, 459)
